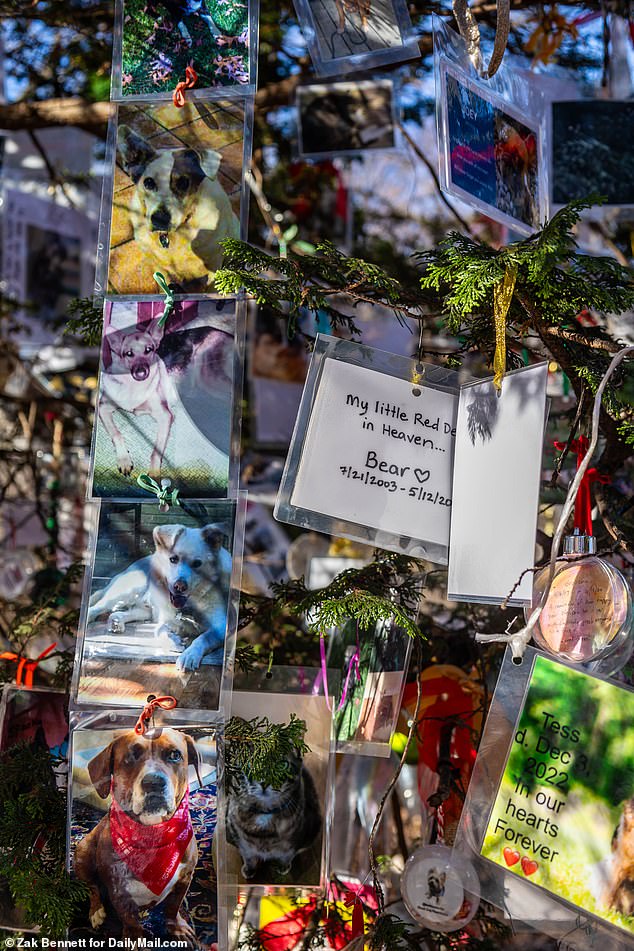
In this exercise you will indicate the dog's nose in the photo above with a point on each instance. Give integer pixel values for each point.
(154, 783)
(140, 371)
(180, 587)
(161, 220)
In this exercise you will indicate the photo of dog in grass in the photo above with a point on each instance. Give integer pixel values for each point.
(160, 38)
(165, 398)
(176, 194)
(142, 828)
(156, 613)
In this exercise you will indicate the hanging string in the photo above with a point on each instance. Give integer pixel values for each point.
(470, 32)
(166, 495)
(583, 501)
(519, 641)
(353, 667)
(26, 668)
(168, 306)
(502, 296)
(191, 78)
(147, 713)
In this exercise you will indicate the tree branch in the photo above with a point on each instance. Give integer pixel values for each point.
(45, 114)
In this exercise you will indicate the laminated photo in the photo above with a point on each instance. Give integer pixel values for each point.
(177, 193)
(278, 836)
(155, 615)
(143, 824)
(346, 118)
(562, 819)
(490, 155)
(166, 398)
(592, 150)
(346, 35)
(161, 38)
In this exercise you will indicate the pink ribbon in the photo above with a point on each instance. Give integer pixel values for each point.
(322, 677)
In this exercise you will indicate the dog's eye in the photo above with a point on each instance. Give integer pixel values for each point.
(174, 559)
(197, 563)
(149, 349)
(182, 183)
(150, 184)
(173, 756)
(129, 353)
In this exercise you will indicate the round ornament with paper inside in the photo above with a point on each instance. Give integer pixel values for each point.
(440, 888)
(587, 617)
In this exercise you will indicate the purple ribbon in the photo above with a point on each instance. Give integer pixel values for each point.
(322, 677)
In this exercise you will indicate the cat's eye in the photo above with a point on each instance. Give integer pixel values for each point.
(174, 559)
(197, 563)
(182, 183)
(150, 184)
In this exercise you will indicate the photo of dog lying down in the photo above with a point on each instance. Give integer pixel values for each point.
(142, 826)
(157, 608)
(176, 194)
(165, 398)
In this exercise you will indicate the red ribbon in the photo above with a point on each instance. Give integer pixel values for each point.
(583, 502)
(191, 78)
(165, 703)
(26, 667)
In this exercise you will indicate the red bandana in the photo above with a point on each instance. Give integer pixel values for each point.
(152, 853)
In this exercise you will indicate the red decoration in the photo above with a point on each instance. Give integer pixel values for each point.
(583, 502)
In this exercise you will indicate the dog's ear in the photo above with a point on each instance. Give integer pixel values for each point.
(166, 536)
(210, 162)
(100, 770)
(193, 757)
(135, 152)
(214, 535)
(154, 329)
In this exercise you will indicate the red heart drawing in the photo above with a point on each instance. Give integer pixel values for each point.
(529, 866)
(511, 856)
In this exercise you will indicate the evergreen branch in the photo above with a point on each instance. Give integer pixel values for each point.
(85, 321)
(260, 749)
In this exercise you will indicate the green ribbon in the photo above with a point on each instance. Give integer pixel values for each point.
(164, 493)
(169, 297)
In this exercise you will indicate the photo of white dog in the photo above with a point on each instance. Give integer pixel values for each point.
(176, 194)
(156, 618)
(165, 398)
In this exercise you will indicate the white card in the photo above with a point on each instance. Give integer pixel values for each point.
(377, 455)
(498, 460)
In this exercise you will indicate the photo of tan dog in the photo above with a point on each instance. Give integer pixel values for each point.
(176, 194)
(619, 892)
(156, 617)
(136, 841)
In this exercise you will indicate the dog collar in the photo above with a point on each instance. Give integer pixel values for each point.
(152, 853)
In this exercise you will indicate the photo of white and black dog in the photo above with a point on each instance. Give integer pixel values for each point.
(182, 587)
(179, 210)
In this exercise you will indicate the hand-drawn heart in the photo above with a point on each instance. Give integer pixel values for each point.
(511, 856)
(423, 475)
(529, 866)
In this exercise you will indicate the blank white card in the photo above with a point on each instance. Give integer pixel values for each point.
(497, 471)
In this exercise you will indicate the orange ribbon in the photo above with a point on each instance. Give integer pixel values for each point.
(191, 78)
(26, 667)
(165, 703)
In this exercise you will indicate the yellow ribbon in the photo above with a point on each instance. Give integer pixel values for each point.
(502, 296)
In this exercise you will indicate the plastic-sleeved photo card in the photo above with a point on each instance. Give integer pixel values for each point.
(348, 35)
(278, 835)
(549, 814)
(167, 394)
(372, 453)
(491, 137)
(142, 829)
(347, 118)
(156, 40)
(160, 607)
(177, 191)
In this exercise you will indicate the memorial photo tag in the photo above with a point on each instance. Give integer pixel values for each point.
(378, 453)
(497, 469)
(562, 815)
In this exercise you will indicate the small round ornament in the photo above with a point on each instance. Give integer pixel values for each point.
(440, 888)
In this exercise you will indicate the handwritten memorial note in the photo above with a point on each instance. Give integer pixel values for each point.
(377, 454)
(562, 816)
